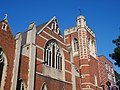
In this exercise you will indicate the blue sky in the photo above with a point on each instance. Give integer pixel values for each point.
(102, 16)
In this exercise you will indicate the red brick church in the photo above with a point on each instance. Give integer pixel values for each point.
(42, 59)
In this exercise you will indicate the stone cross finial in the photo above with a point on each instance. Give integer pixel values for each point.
(80, 11)
(6, 16)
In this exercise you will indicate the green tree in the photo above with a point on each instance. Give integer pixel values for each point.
(117, 77)
(116, 55)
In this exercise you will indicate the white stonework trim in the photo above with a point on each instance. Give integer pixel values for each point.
(31, 69)
(65, 50)
(48, 39)
(39, 47)
(68, 72)
(70, 30)
(16, 61)
(69, 33)
(90, 31)
(4, 74)
(46, 24)
(84, 75)
(54, 38)
(91, 84)
(31, 38)
(53, 72)
(73, 70)
(25, 50)
(27, 44)
(61, 36)
(24, 85)
(55, 32)
(53, 78)
(68, 61)
(87, 89)
(4, 28)
(87, 86)
(42, 37)
(68, 45)
(40, 73)
(68, 82)
(49, 28)
(84, 65)
(45, 87)
(39, 59)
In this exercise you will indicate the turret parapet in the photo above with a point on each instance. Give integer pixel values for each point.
(81, 21)
(31, 26)
(80, 17)
(70, 30)
(90, 31)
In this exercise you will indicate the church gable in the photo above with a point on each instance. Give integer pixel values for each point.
(5, 29)
(51, 25)
(7, 49)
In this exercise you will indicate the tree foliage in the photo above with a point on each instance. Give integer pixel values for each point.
(117, 77)
(116, 54)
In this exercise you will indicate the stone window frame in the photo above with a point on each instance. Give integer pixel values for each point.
(52, 50)
(4, 26)
(23, 85)
(54, 27)
(95, 80)
(106, 66)
(43, 87)
(4, 72)
(76, 44)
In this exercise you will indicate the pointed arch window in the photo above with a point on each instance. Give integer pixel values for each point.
(1, 63)
(52, 55)
(44, 87)
(3, 68)
(75, 44)
(23, 86)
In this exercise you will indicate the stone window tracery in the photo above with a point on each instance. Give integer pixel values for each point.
(1, 63)
(3, 68)
(54, 27)
(52, 55)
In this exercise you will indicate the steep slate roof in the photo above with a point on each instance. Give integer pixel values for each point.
(40, 26)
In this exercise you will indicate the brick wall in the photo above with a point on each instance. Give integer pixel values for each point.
(7, 43)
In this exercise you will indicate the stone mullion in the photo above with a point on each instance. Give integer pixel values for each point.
(58, 62)
(50, 58)
(46, 57)
(55, 55)
(51, 54)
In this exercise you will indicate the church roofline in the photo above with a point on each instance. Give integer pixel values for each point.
(46, 24)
